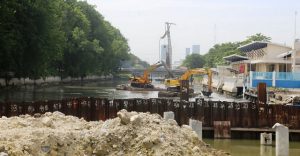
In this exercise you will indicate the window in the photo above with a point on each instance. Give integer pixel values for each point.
(271, 68)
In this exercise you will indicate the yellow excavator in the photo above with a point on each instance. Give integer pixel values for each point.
(173, 85)
(144, 81)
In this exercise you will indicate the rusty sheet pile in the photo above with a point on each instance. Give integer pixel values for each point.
(240, 114)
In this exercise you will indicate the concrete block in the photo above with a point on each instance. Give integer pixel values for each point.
(169, 115)
(266, 138)
(282, 140)
(196, 126)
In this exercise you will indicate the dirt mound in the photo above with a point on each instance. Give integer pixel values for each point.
(131, 133)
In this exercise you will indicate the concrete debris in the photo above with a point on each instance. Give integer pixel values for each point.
(131, 133)
(3, 154)
(296, 100)
(285, 99)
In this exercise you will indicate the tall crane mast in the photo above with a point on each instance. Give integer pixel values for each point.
(169, 51)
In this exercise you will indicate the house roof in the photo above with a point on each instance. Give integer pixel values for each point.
(235, 58)
(258, 45)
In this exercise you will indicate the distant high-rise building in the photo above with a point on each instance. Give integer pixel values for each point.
(196, 49)
(163, 52)
(187, 51)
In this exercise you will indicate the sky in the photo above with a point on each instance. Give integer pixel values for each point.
(198, 22)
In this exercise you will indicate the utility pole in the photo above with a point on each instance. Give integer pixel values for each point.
(295, 31)
(169, 51)
(215, 34)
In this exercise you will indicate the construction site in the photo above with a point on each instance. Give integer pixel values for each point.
(70, 84)
(119, 126)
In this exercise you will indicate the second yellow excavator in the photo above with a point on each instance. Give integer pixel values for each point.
(144, 81)
(174, 84)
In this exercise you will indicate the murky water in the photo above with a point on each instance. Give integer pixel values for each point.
(95, 89)
(104, 89)
(250, 147)
(107, 89)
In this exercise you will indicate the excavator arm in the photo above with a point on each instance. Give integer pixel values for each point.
(175, 83)
(149, 70)
(188, 73)
(171, 75)
(144, 80)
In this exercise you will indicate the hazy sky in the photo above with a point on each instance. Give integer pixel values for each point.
(142, 22)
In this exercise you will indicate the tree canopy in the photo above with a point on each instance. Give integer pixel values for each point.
(40, 38)
(194, 61)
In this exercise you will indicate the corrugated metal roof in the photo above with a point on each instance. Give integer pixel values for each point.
(253, 46)
(234, 58)
(259, 45)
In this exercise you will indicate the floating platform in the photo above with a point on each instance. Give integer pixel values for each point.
(130, 88)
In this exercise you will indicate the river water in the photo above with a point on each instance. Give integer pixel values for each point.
(250, 147)
(104, 89)
(107, 89)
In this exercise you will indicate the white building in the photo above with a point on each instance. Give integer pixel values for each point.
(196, 49)
(163, 52)
(296, 56)
(187, 51)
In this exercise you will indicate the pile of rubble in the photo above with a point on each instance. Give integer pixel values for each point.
(285, 99)
(131, 133)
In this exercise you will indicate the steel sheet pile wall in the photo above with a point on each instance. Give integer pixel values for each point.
(240, 114)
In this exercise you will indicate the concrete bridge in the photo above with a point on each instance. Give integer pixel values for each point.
(160, 72)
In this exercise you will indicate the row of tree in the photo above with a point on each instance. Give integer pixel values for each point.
(40, 38)
(215, 54)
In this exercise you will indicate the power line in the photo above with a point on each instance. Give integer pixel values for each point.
(215, 34)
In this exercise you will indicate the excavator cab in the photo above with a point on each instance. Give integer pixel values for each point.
(173, 85)
(144, 81)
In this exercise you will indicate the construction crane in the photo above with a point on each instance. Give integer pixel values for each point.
(169, 51)
(144, 81)
(173, 85)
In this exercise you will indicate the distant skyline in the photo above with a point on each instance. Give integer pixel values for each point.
(142, 22)
(196, 49)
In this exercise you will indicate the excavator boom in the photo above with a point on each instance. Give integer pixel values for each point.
(175, 83)
(144, 81)
(188, 73)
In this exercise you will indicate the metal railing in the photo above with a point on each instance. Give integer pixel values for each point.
(287, 76)
(263, 75)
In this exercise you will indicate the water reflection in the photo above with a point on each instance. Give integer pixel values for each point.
(104, 89)
(266, 150)
(249, 147)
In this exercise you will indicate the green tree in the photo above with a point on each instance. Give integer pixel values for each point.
(215, 55)
(112, 43)
(30, 37)
(256, 37)
(194, 61)
(66, 37)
